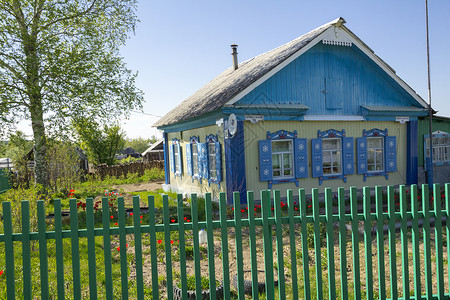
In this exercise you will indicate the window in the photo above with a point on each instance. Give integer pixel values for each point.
(282, 158)
(194, 152)
(175, 158)
(204, 160)
(282, 164)
(441, 148)
(332, 156)
(375, 151)
(192, 158)
(212, 161)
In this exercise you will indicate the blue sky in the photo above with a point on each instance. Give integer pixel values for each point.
(179, 45)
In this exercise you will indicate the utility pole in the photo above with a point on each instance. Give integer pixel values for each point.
(430, 110)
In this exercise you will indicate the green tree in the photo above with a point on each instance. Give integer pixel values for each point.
(61, 58)
(100, 144)
(139, 144)
(17, 148)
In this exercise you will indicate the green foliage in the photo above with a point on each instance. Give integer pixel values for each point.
(59, 59)
(101, 145)
(139, 144)
(17, 148)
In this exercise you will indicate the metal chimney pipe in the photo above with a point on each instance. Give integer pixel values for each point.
(234, 53)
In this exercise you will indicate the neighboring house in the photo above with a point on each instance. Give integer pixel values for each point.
(154, 152)
(127, 152)
(441, 148)
(6, 163)
(320, 111)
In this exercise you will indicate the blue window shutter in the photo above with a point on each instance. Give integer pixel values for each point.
(172, 164)
(361, 152)
(317, 164)
(265, 160)
(390, 145)
(189, 159)
(348, 165)
(179, 158)
(218, 162)
(203, 160)
(301, 158)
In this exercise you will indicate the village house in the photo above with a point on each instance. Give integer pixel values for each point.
(320, 111)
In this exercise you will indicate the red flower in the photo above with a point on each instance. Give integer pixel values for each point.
(131, 214)
(116, 224)
(72, 191)
(309, 206)
(159, 241)
(171, 242)
(185, 218)
(173, 221)
(1, 272)
(112, 217)
(118, 248)
(242, 210)
(188, 220)
(256, 209)
(295, 208)
(141, 216)
(295, 202)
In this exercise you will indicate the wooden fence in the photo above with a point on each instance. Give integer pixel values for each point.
(411, 263)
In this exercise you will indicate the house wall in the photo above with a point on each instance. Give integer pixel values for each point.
(308, 129)
(185, 184)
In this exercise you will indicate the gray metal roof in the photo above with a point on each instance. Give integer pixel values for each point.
(231, 82)
(394, 108)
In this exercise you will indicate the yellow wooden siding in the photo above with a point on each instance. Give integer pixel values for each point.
(185, 183)
(308, 129)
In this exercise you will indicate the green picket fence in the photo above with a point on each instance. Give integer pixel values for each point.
(4, 180)
(411, 259)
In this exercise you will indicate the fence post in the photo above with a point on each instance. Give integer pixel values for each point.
(167, 246)
(107, 248)
(153, 252)
(252, 244)
(342, 243)
(330, 244)
(238, 240)
(75, 244)
(392, 249)
(427, 240)
(291, 208)
(210, 251)
(355, 242)
(380, 242)
(43, 260)
(317, 243)
(304, 240)
(224, 241)
(267, 244)
(9, 251)
(59, 249)
(26, 251)
(438, 237)
(368, 242)
(182, 246)
(138, 246)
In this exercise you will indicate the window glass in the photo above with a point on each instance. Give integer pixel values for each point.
(212, 160)
(331, 156)
(177, 161)
(375, 154)
(194, 151)
(441, 149)
(282, 159)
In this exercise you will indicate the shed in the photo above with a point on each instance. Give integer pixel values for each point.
(154, 152)
(320, 111)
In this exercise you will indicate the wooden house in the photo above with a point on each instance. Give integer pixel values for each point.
(320, 111)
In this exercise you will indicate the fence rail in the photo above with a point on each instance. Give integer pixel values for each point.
(412, 257)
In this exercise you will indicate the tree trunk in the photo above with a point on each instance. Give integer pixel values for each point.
(40, 141)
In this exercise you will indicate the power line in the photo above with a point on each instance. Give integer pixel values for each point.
(144, 113)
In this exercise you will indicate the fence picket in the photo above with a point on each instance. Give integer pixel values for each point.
(59, 249)
(447, 214)
(90, 224)
(392, 249)
(355, 243)
(123, 247)
(43, 257)
(210, 249)
(75, 246)
(224, 241)
(415, 236)
(368, 241)
(195, 242)
(291, 208)
(342, 243)
(304, 241)
(9, 251)
(279, 245)
(380, 242)
(26, 252)
(182, 246)
(138, 247)
(427, 239)
(153, 252)
(166, 217)
(330, 244)
(317, 244)
(267, 244)
(438, 242)
(238, 243)
(107, 248)
(252, 244)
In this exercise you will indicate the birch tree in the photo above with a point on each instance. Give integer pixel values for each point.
(60, 58)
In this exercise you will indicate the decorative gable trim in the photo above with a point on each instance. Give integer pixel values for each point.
(194, 139)
(211, 138)
(337, 38)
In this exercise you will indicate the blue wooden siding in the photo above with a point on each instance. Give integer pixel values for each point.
(333, 80)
